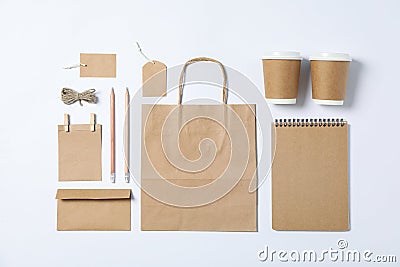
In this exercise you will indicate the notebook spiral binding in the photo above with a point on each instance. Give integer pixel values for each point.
(310, 122)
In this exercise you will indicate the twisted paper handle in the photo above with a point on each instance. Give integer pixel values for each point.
(200, 59)
(70, 96)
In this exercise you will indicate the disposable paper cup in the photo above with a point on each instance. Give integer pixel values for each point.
(281, 76)
(329, 74)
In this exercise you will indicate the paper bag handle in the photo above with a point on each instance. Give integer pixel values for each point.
(200, 59)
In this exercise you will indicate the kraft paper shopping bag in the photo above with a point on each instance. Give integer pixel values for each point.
(197, 165)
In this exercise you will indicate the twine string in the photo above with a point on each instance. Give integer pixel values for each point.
(143, 55)
(70, 96)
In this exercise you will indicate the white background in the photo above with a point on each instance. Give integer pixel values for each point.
(37, 38)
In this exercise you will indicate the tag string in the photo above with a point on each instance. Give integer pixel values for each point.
(75, 66)
(143, 55)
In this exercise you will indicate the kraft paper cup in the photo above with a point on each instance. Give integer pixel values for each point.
(329, 74)
(281, 76)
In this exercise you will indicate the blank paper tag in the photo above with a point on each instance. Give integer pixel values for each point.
(154, 77)
(99, 65)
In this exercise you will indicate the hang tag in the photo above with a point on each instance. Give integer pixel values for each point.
(98, 65)
(154, 78)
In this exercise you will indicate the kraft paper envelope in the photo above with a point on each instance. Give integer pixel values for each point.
(310, 178)
(94, 209)
(79, 153)
(98, 65)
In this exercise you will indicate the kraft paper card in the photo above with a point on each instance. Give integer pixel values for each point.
(154, 78)
(94, 209)
(98, 65)
(79, 153)
(310, 176)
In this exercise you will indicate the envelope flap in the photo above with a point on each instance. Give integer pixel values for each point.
(93, 194)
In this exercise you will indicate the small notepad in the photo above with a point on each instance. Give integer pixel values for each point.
(79, 152)
(310, 175)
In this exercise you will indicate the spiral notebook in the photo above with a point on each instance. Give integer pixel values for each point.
(310, 175)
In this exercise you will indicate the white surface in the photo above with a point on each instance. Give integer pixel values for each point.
(329, 56)
(287, 55)
(328, 102)
(281, 101)
(38, 38)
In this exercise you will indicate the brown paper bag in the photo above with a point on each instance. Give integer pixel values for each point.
(94, 209)
(190, 183)
(79, 152)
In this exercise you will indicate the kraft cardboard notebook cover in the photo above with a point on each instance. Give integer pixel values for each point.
(310, 176)
(79, 152)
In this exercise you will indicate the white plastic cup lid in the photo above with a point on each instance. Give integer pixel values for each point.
(286, 55)
(331, 57)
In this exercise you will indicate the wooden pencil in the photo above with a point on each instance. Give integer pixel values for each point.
(112, 134)
(127, 127)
